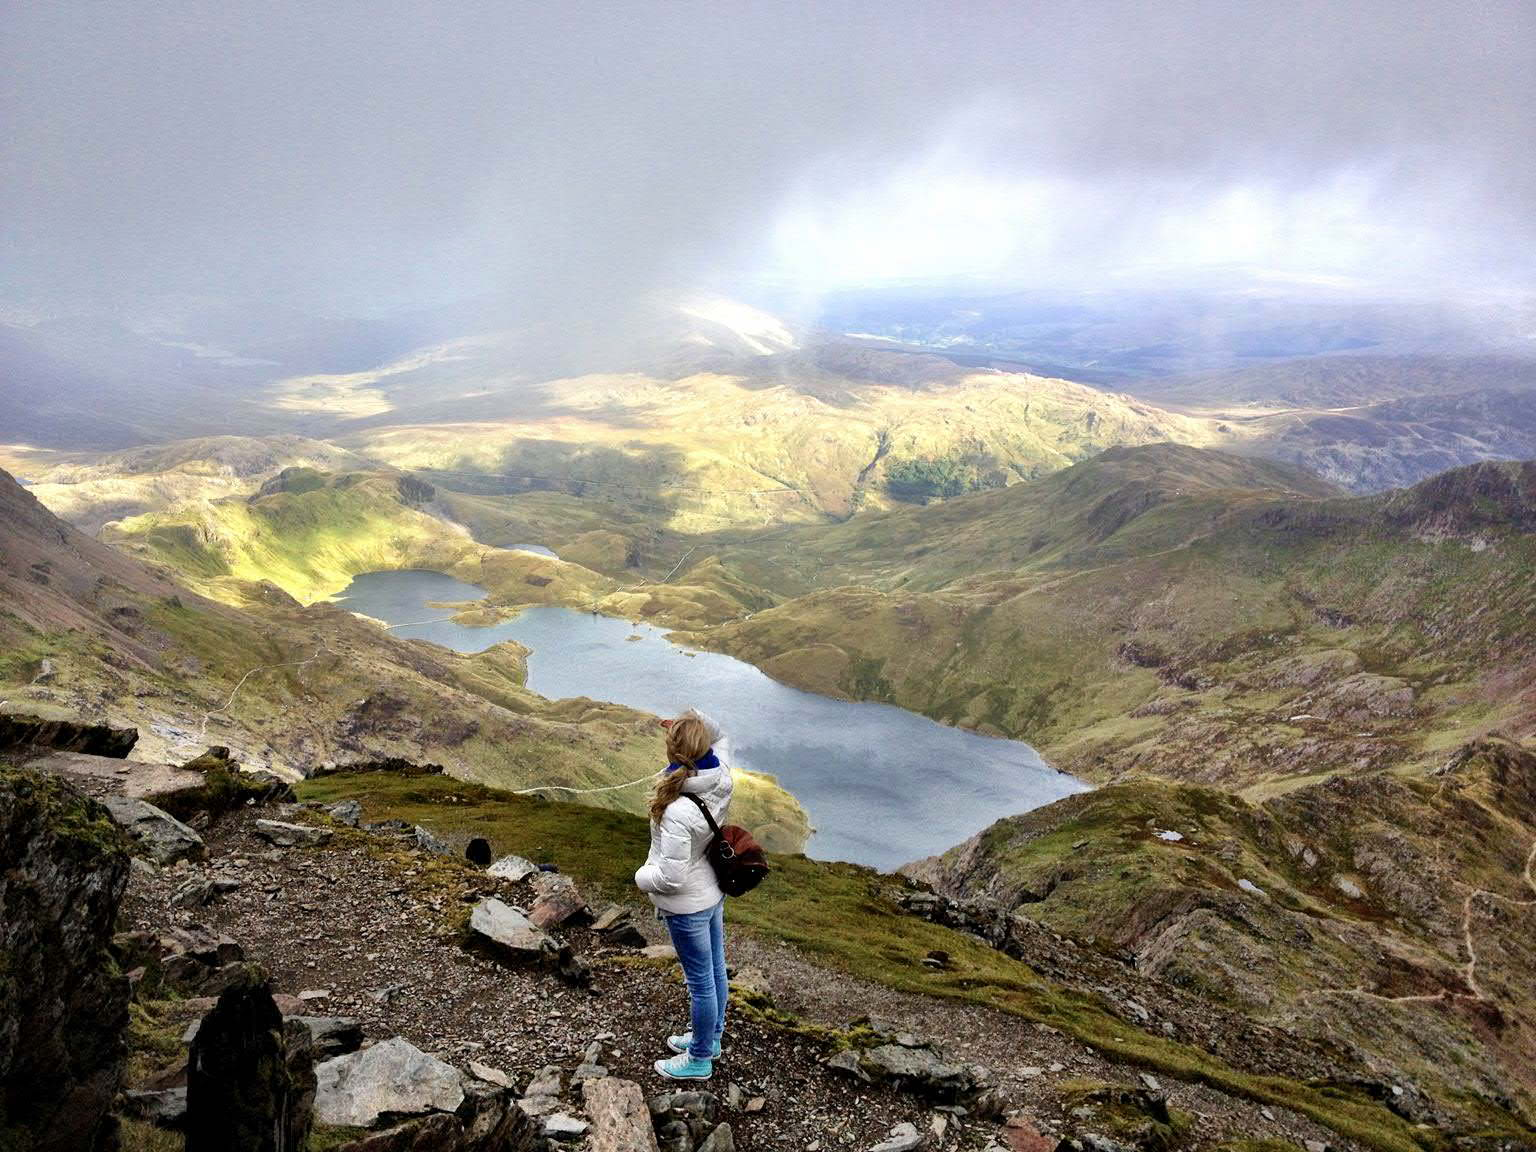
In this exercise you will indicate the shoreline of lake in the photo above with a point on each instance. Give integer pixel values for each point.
(882, 786)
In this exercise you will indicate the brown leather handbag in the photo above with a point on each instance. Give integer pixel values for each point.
(738, 860)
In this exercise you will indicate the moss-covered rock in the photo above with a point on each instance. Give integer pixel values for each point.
(62, 1045)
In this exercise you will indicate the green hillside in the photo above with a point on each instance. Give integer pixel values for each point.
(1173, 611)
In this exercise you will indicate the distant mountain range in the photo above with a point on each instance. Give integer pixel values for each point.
(737, 399)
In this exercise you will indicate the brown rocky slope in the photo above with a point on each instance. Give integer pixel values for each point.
(1392, 914)
(361, 926)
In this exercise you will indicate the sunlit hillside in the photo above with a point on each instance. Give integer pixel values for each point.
(705, 451)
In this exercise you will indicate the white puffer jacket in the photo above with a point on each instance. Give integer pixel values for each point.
(677, 875)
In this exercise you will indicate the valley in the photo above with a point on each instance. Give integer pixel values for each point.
(768, 577)
(1307, 710)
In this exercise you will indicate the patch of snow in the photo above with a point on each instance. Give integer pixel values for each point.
(1171, 837)
(1250, 887)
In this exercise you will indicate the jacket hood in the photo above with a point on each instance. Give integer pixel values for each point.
(709, 781)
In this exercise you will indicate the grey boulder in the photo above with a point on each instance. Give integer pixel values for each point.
(922, 1072)
(904, 1138)
(286, 835)
(393, 1077)
(508, 931)
(163, 838)
(512, 868)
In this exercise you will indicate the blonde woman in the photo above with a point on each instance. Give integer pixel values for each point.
(680, 881)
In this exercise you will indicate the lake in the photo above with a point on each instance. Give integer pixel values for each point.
(882, 785)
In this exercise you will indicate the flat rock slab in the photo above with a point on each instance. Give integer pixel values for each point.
(491, 1075)
(394, 1076)
(101, 776)
(164, 838)
(564, 1127)
(509, 931)
(923, 1072)
(620, 1120)
(610, 917)
(286, 835)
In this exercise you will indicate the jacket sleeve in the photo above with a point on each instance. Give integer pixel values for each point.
(664, 876)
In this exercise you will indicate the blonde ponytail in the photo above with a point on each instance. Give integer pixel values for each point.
(687, 743)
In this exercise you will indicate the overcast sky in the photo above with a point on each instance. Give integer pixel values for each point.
(574, 156)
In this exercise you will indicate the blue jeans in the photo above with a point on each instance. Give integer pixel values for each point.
(699, 938)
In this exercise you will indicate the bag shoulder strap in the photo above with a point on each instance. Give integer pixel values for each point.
(704, 808)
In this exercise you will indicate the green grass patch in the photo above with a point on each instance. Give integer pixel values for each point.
(155, 1028)
(141, 1136)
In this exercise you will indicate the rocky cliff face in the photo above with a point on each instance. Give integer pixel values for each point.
(66, 1003)
(29, 733)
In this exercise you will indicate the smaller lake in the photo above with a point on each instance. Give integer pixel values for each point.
(883, 786)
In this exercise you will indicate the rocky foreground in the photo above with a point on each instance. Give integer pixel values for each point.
(296, 976)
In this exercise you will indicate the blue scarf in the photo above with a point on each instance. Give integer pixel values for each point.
(706, 762)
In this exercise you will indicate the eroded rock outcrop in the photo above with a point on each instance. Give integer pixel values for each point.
(29, 733)
(66, 1003)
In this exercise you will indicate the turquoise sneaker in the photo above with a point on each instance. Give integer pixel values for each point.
(685, 1067)
(681, 1043)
